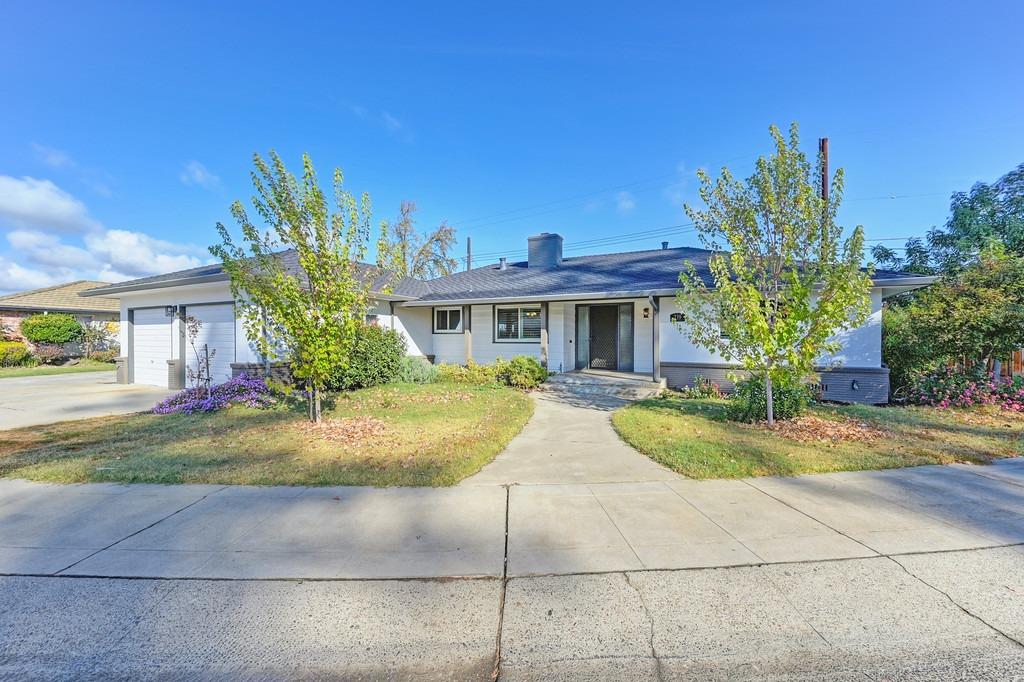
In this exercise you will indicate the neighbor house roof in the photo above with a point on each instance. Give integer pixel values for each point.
(630, 273)
(62, 298)
(401, 288)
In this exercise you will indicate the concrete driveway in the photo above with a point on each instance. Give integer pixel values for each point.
(28, 401)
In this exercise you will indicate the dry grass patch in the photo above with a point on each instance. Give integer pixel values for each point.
(694, 438)
(389, 435)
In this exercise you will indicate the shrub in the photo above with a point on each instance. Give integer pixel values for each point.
(952, 387)
(702, 388)
(470, 373)
(15, 354)
(241, 390)
(48, 353)
(376, 358)
(108, 355)
(53, 328)
(790, 394)
(417, 370)
(522, 371)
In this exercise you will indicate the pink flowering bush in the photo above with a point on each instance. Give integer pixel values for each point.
(950, 387)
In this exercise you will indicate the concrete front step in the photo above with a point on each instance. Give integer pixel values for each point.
(626, 386)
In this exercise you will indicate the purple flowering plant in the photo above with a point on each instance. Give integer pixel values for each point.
(953, 387)
(240, 390)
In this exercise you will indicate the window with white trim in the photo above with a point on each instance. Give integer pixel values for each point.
(448, 320)
(517, 323)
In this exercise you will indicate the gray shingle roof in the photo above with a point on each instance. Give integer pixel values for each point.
(403, 286)
(632, 271)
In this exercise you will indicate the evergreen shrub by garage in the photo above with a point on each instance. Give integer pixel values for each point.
(54, 328)
(376, 359)
(790, 398)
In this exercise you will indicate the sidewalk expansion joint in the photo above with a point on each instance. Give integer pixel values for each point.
(141, 530)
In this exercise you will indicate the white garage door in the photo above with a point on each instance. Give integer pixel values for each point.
(216, 336)
(152, 346)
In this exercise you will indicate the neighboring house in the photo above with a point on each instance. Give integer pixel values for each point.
(62, 298)
(612, 312)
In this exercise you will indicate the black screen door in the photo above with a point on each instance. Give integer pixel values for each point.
(604, 325)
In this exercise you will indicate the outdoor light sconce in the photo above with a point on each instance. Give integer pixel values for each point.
(647, 313)
(170, 310)
(854, 385)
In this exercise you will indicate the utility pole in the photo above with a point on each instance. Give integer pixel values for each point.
(823, 151)
(469, 253)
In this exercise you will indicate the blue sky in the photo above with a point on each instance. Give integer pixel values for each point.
(128, 128)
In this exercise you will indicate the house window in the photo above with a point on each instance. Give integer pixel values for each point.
(447, 320)
(520, 323)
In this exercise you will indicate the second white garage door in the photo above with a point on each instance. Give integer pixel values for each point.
(217, 335)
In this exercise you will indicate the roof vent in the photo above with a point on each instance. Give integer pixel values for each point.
(545, 250)
(664, 246)
(503, 263)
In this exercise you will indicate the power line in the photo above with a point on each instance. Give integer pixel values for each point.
(601, 241)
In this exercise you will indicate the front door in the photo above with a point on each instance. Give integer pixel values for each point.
(604, 343)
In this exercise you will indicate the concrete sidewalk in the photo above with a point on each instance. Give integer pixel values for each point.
(232, 532)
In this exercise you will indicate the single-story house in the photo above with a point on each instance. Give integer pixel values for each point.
(611, 312)
(62, 298)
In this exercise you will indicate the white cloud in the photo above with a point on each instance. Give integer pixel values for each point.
(15, 277)
(135, 254)
(390, 122)
(679, 190)
(624, 203)
(54, 158)
(47, 249)
(37, 256)
(195, 173)
(28, 203)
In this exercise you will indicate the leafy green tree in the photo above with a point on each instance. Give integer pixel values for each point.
(987, 215)
(785, 281)
(308, 315)
(975, 315)
(414, 255)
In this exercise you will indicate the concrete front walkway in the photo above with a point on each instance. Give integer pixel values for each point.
(231, 532)
(570, 439)
(30, 401)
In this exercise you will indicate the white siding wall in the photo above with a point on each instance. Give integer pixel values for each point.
(556, 339)
(485, 349)
(415, 324)
(862, 346)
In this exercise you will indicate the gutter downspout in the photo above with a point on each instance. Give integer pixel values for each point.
(655, 340)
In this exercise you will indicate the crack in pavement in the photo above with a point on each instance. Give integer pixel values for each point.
(650, 621)
(496, 671)
(141, 530)
(955, 603)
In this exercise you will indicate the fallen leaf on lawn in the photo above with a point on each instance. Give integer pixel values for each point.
(347, 430)
(813, 429)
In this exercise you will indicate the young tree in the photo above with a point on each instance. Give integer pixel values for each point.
(414, 255)
(307, 314)
(784, 281)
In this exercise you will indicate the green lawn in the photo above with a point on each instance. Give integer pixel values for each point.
(43, 370)
(426, 435)
(694, 438)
